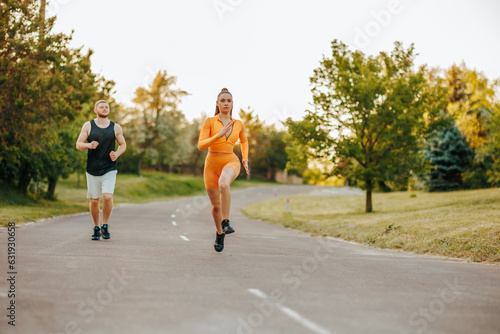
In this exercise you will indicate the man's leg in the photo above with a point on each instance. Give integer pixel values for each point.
(107, 207)
(93, 194)
(108, 188)
(94, 210)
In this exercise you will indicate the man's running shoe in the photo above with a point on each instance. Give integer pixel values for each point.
(226, 227)
(105, 232)
(219, 242)
(97, 233)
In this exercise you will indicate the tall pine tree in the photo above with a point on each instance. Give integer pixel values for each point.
(449, 155)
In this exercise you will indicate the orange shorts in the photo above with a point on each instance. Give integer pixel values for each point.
(214, 165)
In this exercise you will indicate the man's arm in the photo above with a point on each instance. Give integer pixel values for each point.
(81, 143)
(122, 145)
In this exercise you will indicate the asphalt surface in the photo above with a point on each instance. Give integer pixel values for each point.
(159, 273)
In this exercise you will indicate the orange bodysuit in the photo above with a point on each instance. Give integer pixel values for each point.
(216, 162)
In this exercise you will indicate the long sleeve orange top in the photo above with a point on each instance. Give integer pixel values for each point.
(209, 137)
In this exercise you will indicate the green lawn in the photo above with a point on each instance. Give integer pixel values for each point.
(460, 224)
(71, 194)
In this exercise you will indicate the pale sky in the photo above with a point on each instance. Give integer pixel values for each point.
(264, 51)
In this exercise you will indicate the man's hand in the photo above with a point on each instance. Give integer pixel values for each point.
(93, 145)
(113, 155)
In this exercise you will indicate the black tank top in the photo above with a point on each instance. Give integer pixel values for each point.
(98, 160)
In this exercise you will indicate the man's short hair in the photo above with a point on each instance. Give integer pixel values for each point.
(99, 102)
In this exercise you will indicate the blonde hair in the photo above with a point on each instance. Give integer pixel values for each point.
(223, 91)
(99, 102)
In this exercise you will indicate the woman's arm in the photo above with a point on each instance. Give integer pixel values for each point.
(205, 141)
(244, 143)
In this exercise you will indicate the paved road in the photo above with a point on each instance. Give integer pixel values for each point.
(160, 274)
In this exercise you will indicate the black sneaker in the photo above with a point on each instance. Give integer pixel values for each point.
(97, 233)
(226, 227)
(219, 242)
(104, 231)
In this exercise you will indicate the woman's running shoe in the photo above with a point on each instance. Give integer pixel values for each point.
(219, 242)
(226, 227)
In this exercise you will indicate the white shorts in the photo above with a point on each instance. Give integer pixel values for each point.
(98, 185)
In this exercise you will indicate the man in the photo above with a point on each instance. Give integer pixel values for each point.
(98, 137)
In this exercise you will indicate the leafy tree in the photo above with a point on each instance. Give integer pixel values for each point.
(276, 155)
(157, 126)
(369, 116)
(43, 85)
(472, 96)
(267, 146)
(493, 147)
(450, 156)
(472, 102)
(196, 158)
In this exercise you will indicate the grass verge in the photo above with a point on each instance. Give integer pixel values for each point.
(460, 224)
(72, 194)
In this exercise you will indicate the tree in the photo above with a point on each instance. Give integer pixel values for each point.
(493, 147)
(369, 116)
(471, 103)
(472, 97)
(267, 146)
(43, 85)
(156, 125)
(449, 155)
(276, 154)
(197, 157)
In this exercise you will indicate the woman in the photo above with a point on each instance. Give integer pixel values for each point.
(222, 166)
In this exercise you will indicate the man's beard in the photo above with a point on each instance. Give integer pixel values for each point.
(101, 115)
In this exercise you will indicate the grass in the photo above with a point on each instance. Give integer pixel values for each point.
(71, 194)
(460, 224)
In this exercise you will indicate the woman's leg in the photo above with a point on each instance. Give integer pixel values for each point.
(214, 195)
(227, 176)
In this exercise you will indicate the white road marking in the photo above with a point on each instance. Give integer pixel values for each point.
(174, 223)
(291, 313)
(184, 238)
(173, 215)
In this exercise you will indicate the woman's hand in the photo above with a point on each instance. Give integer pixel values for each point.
(245, 164)
(225, 129)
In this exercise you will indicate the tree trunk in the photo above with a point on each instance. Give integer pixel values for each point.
(139, 164)
(271, 173)
(369, 188)
(24, 182)
(51, 190)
